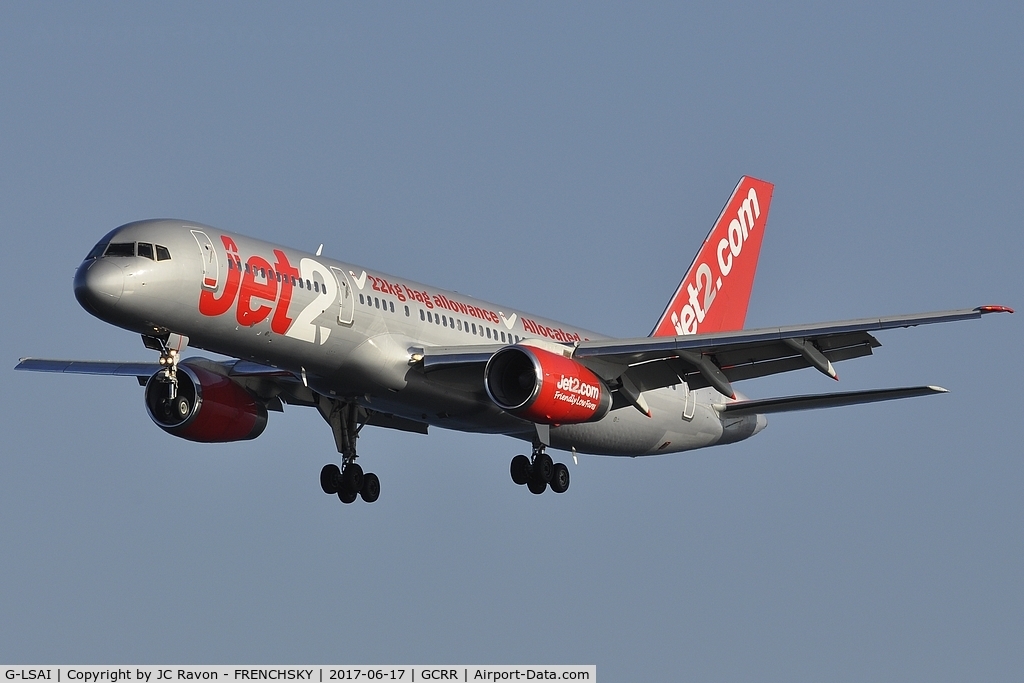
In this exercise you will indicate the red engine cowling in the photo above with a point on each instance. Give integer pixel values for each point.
(208, 408)
(545, 387)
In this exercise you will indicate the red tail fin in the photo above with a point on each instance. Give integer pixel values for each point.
(714, 294)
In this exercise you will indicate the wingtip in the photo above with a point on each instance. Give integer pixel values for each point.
(994, 309)
(939, 390)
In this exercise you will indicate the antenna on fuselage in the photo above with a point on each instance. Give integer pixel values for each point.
(319, 249)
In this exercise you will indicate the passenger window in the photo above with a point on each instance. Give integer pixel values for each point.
(121, 249)
(391, 306)
(308, 285)
(488, 333)
(406, 311)
(503, 337)
(421, 314)
(474, 328)
(316, 286)
(145, 250)
(300, 284)
(437, 319)
(278, 276)
(458, 324)
(270, 274)
(361, 299)
(231, 264)
(444, 320)
(247, 266)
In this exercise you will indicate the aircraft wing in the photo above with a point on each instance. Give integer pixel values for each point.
(86, 367)
(719, 359)
(632, 366)
(273, 386)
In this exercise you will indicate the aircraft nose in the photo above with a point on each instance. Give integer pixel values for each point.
(98, 285)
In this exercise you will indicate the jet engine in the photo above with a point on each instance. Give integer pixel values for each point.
(207, 407)
(545, 387)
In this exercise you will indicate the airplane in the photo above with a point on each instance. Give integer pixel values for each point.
(367, 348)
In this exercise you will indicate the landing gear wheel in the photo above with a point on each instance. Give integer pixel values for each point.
(346, 496)
(351, 478)
(371, 488)
(543, 467)
(329, 476)
(536, 486)
(182, 407)
(520, 469)
(559, 478)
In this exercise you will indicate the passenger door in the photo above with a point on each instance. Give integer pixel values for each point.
(211, 266)
(347, 296)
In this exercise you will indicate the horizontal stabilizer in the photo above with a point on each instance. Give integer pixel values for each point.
(813, 401)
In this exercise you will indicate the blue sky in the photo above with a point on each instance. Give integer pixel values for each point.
(566, 159)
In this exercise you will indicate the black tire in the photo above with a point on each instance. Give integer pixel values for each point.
(543, 467)
(536, 486)
(351, 478)
(371, 488)
(520, 469)
(559, 478)
(347, 497)
(329, 476)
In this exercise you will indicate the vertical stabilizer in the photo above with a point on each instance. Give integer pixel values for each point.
(713, 296)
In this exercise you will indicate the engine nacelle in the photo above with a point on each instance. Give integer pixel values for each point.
(208, 408)
(544, 387)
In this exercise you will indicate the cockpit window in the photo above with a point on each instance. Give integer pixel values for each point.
(97, 251)
(162, 254)
(145, 249)
(121, 249)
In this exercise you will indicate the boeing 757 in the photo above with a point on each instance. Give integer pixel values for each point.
(367, 348)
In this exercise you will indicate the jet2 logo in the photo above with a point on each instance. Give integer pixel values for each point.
(702, 285)
(261, 290)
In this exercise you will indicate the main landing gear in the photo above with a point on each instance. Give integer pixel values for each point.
(347, 481)
(539, 472)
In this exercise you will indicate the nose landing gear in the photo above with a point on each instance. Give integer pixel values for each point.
(170, 348)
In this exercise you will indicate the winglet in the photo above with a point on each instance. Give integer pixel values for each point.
(993, 309)
(714, 294)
